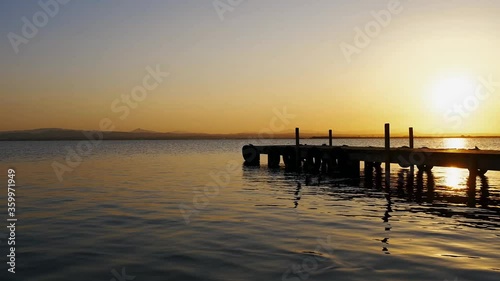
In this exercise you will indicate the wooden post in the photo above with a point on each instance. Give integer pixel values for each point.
(273, 159)
(411, 136)
(368, 170)
(330, 137)
(387, 135)
(297, 150)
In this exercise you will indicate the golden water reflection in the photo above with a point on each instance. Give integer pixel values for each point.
(455, 177)
(455, 143)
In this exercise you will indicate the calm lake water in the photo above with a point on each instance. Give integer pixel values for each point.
(189, 210)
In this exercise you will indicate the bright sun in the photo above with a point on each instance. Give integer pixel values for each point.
(453, 90)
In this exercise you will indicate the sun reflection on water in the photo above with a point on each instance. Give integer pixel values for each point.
(455, 143)
(454, 177)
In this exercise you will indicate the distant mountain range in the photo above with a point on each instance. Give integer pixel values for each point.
(141, 134)
(137, 134)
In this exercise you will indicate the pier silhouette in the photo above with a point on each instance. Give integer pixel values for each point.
(346, 160)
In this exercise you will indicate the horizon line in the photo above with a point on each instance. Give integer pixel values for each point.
(201, 135)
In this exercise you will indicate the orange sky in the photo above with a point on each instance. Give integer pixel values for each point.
(426, 67)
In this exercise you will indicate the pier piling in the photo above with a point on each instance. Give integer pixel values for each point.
(410, 136)
(298, 159)
(387, 135)
(273, 158)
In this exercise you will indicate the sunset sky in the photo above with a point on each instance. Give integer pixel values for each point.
(433, 65)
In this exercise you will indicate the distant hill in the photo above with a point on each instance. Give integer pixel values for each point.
(137, 134)
(139, 130)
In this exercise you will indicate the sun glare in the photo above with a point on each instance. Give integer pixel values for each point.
(455, 143)
(449, 91)
(454, 177)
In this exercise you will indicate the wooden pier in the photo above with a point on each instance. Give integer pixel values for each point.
(346, 160)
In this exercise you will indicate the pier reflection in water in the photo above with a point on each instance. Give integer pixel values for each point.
(455, 187)
(405, 188)
(414, 197)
